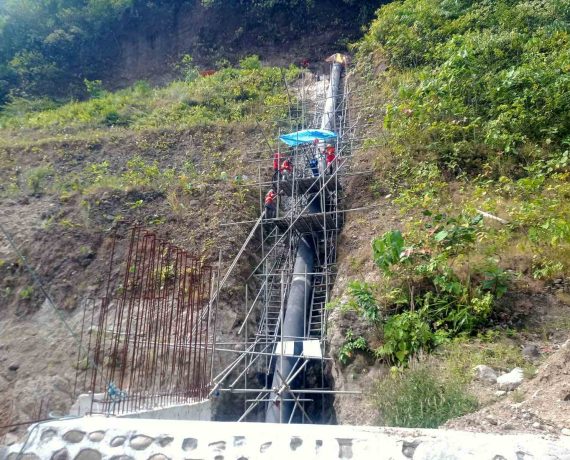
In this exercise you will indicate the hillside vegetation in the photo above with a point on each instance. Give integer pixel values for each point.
(49, 47)
(474, 99)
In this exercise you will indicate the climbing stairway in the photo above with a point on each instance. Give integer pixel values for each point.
(316, 324)
(272, 291)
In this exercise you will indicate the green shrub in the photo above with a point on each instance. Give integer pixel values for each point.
(476, 116)
(26, 293)
(250, 63)
(438, 304)
(388, 250)
(363, 301)
(351, 345)
(421, 397)
(94, 88)
(37, 179)
(230, 94)
(405, 334)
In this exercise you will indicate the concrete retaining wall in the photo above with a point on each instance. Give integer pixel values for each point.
(200, 411)
(99, 438)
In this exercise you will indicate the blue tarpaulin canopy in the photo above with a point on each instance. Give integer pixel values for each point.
(307, 136)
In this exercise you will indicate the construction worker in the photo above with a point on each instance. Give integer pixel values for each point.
(286, 169)
(270, 208)
(276, 162)
(330, 157)
(314, 165)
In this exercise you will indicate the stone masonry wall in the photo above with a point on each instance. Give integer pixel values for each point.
(99, 438)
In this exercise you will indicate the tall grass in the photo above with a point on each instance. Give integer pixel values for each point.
(421, 397)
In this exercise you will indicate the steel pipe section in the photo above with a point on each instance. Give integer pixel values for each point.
(281, 406)
(279, 411)
(328, 121)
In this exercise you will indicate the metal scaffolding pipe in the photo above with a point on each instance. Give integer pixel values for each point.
(280, 406)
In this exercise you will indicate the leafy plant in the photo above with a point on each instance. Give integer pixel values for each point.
(26, 293)
(405, 334)
(363, 301)
(351, 345)
(387, 249)
(496, 281)
(546, 269)
(439, 304)
(94, 87)
(187, 68)
(454, 234)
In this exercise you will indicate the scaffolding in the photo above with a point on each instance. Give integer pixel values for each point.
(268, 285)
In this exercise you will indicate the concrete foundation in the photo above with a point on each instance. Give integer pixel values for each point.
(200, 411)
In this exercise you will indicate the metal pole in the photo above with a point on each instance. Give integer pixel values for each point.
(215, 315)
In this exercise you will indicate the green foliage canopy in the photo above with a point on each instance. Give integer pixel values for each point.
(44, 41)
(487, 82)
(48, 47)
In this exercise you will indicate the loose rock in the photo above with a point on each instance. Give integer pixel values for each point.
(565, 431)
(164, 441)
(531, 351)
(512, 380)
(189, 444)
(48, 434)
(61, 454)
(485, 373)
(18, 456)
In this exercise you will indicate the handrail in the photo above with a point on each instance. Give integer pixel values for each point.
(230, 269)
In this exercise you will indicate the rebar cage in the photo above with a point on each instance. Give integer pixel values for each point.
(147, 346)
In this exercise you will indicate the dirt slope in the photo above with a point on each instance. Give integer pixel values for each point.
(539, 405)
(66, 238)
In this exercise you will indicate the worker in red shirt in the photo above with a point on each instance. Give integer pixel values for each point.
(286, 169)
(330, 155)
(276, 162)
(270, 204)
